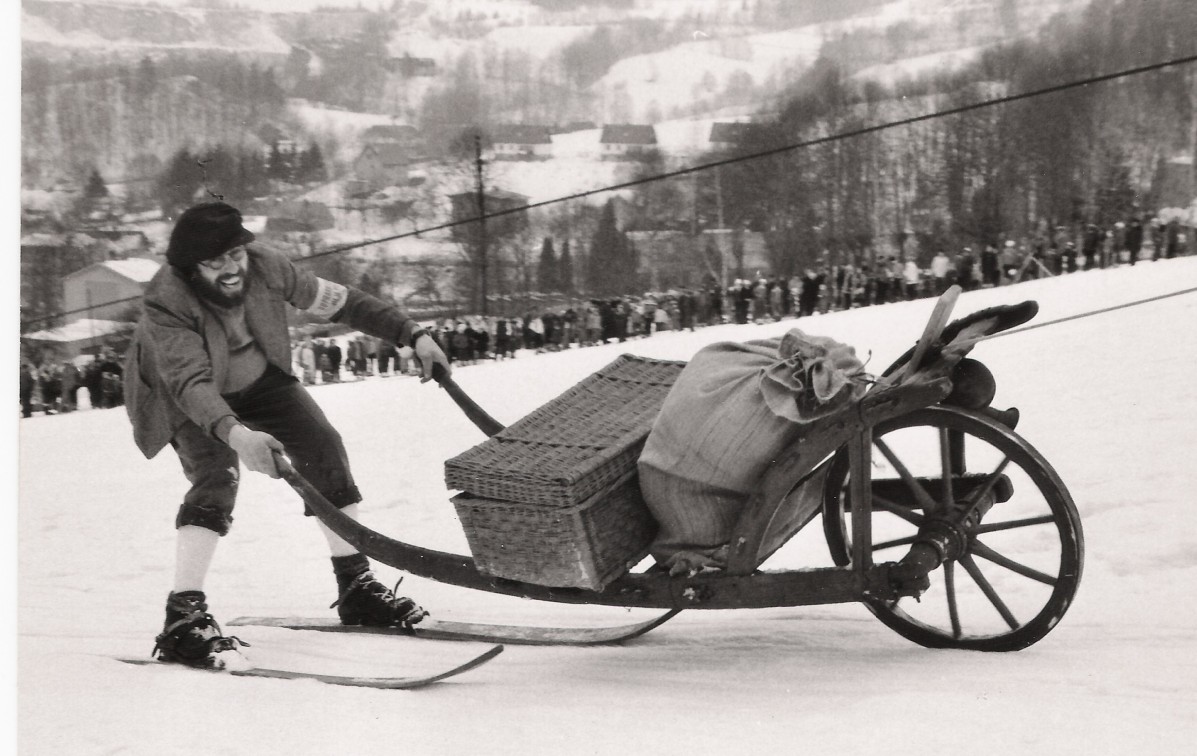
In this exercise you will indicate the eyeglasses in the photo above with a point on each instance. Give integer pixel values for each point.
(236, 254)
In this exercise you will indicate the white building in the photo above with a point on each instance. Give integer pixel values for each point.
(110, 288)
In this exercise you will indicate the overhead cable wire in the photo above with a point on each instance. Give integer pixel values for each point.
(1079, 315)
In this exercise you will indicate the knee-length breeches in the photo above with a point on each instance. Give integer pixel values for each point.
(276, 404)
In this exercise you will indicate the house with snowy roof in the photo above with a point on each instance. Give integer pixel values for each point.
(727, 135)
(522, 142)
(391, 133)
(275, 139)
(381, 164)
(628, 141)
(1176, 182)
(84, 336)
(465, 207)
(107, 290)
(409, 66)
(299, 216)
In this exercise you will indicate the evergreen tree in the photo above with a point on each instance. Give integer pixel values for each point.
(629, 269)
(1115, 198)
(280, 166)
(96, 189)
(220, 174)
(546, 270)
(369, 284)
(178, 185)
(612, 264)
(95, 193)
(565, 270)
(311, 165)
(251, 174)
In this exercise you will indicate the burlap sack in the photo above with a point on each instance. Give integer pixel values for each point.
(732, 410)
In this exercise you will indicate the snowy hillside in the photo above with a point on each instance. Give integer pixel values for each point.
(142, 29)
(1107, 399)
(670, 81)
(888, 74)
(723, 60)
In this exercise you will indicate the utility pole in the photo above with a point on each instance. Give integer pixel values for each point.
(91, 317)
(722, 236)
(482, 251)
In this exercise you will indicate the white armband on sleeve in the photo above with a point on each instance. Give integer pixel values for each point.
(330, 298)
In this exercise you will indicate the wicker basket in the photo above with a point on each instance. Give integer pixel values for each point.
(578, 444)
(582, 546)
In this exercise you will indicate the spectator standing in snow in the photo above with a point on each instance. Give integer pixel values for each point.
(1091, 242)
(501, 339)
(808, 297)
(70, 386)
(1118, 242)
(1009, 261)
(965, 262)
(307, 356)
(28, 384)
(1068, 258)
(940, 265)
(334, 360)
(388, 356)
(990, 273)
(209, 373)
(110, 379)
(1172, 239)
(1134, 239)
(911, 278)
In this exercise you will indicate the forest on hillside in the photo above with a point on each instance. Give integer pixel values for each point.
(1023, 170)
(125, 120)
(104, 109)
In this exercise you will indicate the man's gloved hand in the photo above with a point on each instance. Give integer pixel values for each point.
(256, 449)
(429, 352)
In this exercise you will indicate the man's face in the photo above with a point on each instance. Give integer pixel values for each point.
(222, 279)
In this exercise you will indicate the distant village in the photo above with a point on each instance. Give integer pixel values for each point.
(102, 265)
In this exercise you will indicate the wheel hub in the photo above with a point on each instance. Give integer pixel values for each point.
(944, 536)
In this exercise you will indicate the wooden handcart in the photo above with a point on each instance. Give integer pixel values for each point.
(943, 521)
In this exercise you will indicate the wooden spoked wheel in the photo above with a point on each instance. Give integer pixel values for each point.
(1017, 557)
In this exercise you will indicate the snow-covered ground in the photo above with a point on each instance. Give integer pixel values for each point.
(1108, 399)
(888, 74)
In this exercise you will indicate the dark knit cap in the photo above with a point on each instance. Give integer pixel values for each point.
(205, 231)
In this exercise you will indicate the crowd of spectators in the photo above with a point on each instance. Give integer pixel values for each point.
(54, 387)
(816, 290)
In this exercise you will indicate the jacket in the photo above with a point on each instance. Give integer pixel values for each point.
(178, 357)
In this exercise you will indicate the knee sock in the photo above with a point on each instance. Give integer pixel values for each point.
(194, 547)
(347, 568)
(337, 545)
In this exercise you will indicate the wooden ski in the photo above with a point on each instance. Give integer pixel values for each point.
(383, 683)
(433, 629)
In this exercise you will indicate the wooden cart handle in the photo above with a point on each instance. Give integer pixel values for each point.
(476, 414)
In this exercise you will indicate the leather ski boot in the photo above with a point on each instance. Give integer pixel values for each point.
(362, 600)
(190, 635)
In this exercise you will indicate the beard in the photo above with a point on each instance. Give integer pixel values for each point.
(214, 292)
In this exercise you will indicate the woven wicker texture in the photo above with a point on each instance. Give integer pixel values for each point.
(580, 443)
(584, 546)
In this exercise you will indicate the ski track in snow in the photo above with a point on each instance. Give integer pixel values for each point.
(1109, 400)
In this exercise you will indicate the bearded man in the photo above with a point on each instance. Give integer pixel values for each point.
(209, 373)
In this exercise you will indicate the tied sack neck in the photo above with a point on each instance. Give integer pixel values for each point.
(814, 377)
